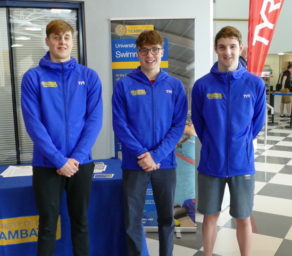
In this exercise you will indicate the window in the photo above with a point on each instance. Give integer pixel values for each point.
(22, 44)
(7, 131)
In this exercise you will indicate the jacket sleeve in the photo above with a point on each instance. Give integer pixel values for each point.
(93, 122)
(175, 132)
(197, 110)
(120, 124)
(259, 116)
(32, 118)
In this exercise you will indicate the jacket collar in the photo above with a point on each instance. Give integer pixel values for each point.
(46, 62)
(137, 74)
(233, 75)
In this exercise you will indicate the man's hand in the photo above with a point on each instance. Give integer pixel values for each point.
(147, 163)
(69, 168)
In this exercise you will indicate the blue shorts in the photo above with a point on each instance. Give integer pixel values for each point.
(211, 191)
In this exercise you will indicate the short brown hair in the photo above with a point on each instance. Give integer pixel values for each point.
(149, 37)
(58, 26)
(228, 32)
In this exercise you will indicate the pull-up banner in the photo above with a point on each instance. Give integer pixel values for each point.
(263, 16)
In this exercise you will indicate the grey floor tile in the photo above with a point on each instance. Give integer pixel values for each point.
(268, 224)
(190, 240)
(271, 224)
(277, 134)
(286, 169)
(269, 142)
(230, 224)
(273, 125)
(281, 148)
(276, 190)
(288, 138)
(285, 248)
(264, 176)
(272, 159)
(199, 253)
(260, 151)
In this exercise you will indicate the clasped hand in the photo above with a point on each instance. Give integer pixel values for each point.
(147, 163)
(69, 168)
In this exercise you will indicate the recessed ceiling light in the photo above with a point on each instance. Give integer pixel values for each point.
(22, 38)
(33, 28)
(17, 45)
(281, 53)
(60, 11)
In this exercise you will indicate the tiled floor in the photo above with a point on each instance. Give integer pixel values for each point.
(272, 208)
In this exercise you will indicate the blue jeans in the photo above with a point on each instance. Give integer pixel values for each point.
(135, 184)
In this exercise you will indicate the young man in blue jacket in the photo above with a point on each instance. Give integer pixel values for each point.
(62, 110)
(228, 111)
(149, 115)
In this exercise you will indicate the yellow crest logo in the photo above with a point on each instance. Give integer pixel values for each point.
(49, 84)
(212, 96)
(138, 92)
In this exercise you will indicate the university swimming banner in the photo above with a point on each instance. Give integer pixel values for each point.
(263, 16)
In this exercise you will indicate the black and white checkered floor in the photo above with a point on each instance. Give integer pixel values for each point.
(272, 206)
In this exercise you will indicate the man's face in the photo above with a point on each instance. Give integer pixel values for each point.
(150, 59)
(228, 51)
(60, 46)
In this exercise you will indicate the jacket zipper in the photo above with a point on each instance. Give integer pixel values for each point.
(153, 115)
(65, 108)
(228, 124)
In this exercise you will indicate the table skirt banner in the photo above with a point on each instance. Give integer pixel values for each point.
(19, 217)
(22, 230)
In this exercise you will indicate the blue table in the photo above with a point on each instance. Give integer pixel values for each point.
(105, 214)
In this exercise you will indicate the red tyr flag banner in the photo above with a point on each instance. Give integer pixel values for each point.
(263, 16)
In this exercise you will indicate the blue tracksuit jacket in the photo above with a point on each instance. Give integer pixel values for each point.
(62, 111)
(149, 117)
(228, 111)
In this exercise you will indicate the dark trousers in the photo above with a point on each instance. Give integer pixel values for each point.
(48, 188)
(135, 184)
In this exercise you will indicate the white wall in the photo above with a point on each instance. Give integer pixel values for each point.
(231, 9)
(282, 41)
(235, 13)
(98, 40)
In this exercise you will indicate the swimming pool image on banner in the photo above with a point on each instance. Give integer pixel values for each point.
(185, 193)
